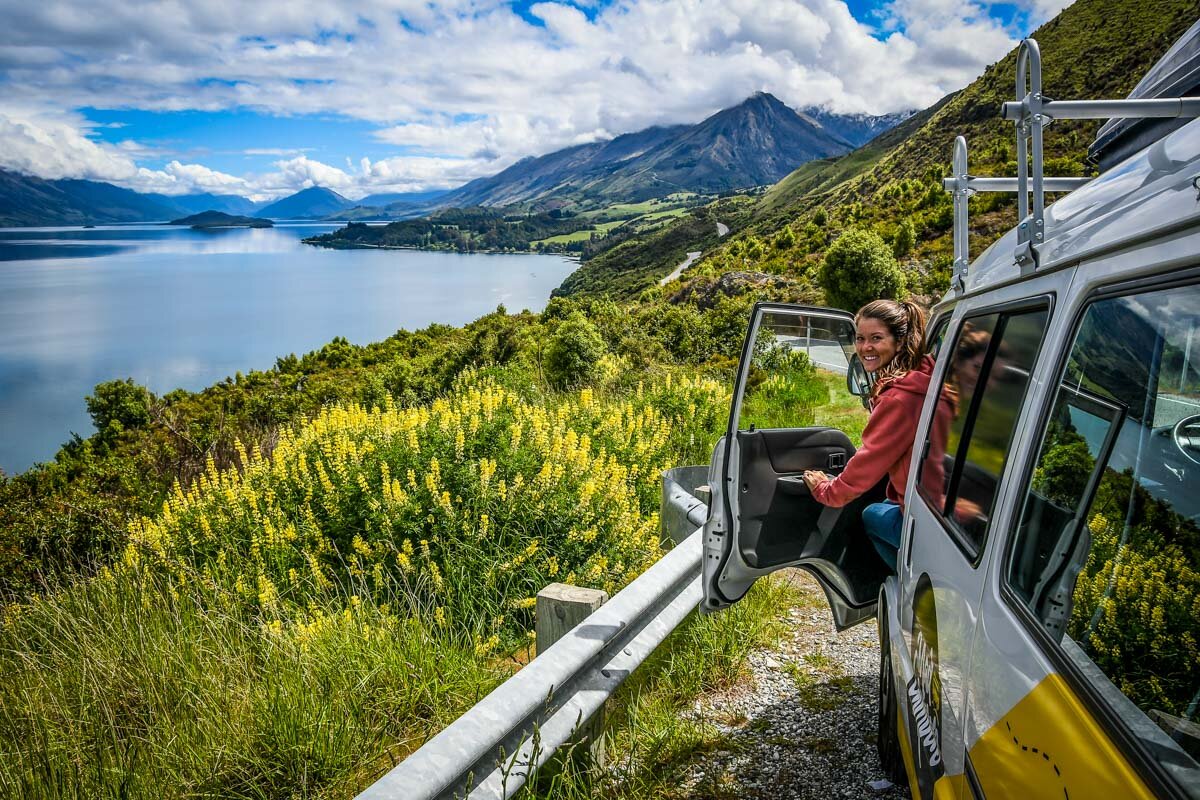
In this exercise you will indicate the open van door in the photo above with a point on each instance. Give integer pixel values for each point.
(762, 517)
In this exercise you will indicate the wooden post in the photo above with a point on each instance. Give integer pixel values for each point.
(560, 607)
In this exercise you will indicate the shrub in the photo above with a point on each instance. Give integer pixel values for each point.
(117, 406)
(859, 267)
(906, 237)
(574, 351)
(785, 238)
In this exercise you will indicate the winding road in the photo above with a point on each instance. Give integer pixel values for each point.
(687, 262)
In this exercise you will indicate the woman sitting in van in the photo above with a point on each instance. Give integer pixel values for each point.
(890, 339)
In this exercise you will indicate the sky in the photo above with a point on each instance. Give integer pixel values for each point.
(264, 98)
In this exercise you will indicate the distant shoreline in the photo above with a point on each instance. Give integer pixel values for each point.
(481, 251)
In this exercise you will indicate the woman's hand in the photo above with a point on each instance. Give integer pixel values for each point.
(813, 477)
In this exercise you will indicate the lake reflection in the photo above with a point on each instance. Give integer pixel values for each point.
(174, 307)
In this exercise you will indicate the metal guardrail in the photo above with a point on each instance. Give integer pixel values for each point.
(492, 749)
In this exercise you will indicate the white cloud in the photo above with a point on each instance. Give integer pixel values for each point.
(52, 145)
(462, 88)
(303, 172)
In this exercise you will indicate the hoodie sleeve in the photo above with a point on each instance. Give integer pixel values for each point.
(885, 440)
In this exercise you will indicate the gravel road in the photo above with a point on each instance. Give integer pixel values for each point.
(804, 725)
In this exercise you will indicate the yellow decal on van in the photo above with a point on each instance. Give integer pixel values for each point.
(947, 787)
(1049, 743)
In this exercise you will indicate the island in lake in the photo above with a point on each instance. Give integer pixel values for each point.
(219, 219)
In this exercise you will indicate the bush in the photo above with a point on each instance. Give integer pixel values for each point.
(859, 267)
(118, 406)
(574, 352)
(906, 237)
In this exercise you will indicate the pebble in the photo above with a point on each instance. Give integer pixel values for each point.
(803, 726)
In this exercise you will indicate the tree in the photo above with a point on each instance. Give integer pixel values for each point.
(785, 238)
(574, 352)
(118, 406)
(906, 237)
(859, 267)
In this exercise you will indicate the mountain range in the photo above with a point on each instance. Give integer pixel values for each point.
(755, 143)
(751, 144)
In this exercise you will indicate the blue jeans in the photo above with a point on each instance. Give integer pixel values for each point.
(883, 522)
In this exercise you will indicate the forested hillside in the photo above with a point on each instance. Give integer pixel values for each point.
(892, 186)
(460, 229)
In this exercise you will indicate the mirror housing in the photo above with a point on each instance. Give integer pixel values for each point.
(858, 381)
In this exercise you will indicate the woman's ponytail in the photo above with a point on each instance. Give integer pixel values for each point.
(913, 345)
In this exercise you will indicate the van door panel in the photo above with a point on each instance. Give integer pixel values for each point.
(762, 516)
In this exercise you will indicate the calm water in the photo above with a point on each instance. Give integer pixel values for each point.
(173, 307)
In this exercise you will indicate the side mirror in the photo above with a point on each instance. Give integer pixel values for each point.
(858, 382)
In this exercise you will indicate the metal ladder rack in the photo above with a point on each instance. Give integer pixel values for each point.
(1031, 113)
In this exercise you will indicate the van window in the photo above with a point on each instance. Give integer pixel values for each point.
(936, 335)
(1107, 555)
(974, 419)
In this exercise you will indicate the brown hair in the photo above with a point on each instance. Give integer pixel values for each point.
(906, 322)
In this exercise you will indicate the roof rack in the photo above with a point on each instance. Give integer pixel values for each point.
(1031, 113)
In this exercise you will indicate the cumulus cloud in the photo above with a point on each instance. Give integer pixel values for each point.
(54, 146)
(464, 87)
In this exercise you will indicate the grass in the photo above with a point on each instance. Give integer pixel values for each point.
(654, 743)
(292, 627)
(656, 215)
(842, 410)
(624, 213)
(567, 238)
(136, 688)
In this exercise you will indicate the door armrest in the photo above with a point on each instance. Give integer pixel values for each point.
(792, 484)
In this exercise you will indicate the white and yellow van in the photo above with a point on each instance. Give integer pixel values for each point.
(1041, 638)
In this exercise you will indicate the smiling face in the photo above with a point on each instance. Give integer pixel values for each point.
(875, 344)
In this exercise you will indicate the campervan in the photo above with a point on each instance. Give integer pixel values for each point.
(1040, 636)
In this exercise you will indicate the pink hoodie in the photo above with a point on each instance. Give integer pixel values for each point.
(887, 442)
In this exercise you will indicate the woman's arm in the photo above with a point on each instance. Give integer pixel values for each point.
(887, 437)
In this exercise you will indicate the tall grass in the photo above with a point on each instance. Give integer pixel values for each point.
(133, 687)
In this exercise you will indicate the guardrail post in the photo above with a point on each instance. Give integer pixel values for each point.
(560, 607)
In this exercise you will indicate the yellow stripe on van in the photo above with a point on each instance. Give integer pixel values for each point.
(910, 768)
(948, 787)
(1049, 743)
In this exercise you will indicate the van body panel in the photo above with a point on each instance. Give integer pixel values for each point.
(1014, 684)
(1047, 747)
(939, 584)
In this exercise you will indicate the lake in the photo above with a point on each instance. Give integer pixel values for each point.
(173, 307)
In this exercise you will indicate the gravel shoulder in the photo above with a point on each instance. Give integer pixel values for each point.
(803, 725)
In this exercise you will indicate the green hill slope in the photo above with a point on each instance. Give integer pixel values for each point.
(1094, 49)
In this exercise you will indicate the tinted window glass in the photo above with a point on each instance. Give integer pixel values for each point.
(1107, 555)
(972, 431)
(936, 336)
